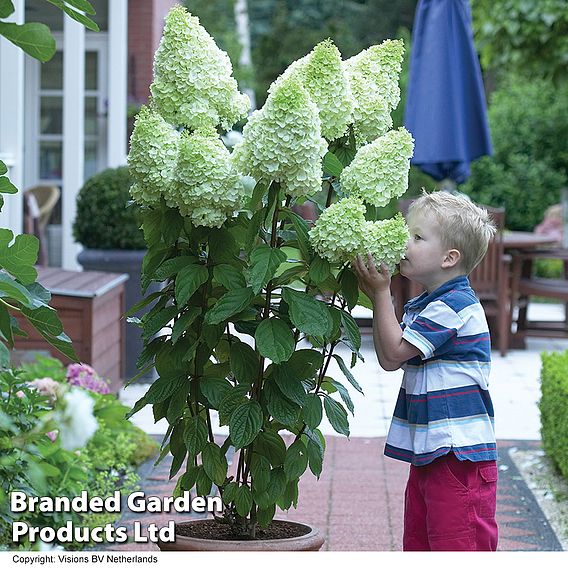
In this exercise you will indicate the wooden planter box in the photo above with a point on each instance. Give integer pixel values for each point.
(90, 306)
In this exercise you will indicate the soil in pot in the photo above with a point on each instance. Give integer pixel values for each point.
(214, 530)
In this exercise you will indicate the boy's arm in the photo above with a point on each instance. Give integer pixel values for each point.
(392, 350)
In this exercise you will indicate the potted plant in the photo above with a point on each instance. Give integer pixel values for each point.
(255, 300)
(107, 224)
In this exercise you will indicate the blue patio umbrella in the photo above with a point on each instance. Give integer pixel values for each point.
(445, 106)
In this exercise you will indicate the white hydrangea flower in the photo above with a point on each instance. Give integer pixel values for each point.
(373, 76)
(386, 241)
(282, 141)
(152, 157)
(193, 84)
(208, 187)
(379, 170)
(339, 232)
(75, 419)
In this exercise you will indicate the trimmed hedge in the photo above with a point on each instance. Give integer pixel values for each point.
(554, 408)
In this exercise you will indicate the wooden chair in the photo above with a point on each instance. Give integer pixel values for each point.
(524, 285)
(490, 281)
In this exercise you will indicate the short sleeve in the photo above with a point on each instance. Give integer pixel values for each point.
(435, 325)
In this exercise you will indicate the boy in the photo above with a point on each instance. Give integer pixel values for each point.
(443, 419)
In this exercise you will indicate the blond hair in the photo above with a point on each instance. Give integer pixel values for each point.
(461, 224)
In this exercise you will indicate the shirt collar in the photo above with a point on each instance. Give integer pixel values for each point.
(420, 302)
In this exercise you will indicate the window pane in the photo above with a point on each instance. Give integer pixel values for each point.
(91, 70)
(91, 119)
(90, 159)
(52, 72)
(50, 159)
(51, 115)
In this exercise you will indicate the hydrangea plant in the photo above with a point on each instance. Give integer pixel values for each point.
(255, 300)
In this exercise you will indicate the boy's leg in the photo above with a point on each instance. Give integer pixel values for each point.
(460, 499)
(415, 536)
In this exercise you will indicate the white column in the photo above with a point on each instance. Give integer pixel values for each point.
(73, 133)
(117, 82)
(12, 123)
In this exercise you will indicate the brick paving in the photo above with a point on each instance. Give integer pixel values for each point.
(357, 502)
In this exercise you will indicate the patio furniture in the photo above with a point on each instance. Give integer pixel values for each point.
(90, 306)
(524, 285)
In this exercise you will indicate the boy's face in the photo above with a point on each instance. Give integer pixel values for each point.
(426, 257)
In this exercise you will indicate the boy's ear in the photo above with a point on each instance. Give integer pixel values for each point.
(451, 259)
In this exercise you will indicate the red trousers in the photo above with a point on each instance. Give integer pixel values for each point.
(450, 505)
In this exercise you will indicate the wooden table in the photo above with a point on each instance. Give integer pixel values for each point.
(523, 240)
(90, 305)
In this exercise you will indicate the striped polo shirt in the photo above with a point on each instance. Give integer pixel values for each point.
(444, 404)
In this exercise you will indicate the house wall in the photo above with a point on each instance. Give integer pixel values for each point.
(145, 24)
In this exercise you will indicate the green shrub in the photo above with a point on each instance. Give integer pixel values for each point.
(529, 127)
(105, 220)
(554, 408)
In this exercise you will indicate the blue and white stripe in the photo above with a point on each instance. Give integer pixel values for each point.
(444, 404)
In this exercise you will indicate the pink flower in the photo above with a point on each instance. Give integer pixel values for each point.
(83, 375)
(47, 387)
(21, 394)
(52, 435)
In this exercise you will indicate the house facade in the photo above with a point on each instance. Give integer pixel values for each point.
(65, 120)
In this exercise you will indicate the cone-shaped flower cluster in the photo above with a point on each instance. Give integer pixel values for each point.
(193, 84)
(208, 188)
(379, 170)
(373, 76)
(152, 157)
(341, 232)
(282, 141)
(386, 240)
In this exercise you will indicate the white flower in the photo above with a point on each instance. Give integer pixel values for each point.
(193, 84)
(386, 240)
(75, 419)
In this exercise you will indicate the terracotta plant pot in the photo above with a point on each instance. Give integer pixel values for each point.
(311, 541)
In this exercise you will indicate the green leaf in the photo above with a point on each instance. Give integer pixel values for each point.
(308, 314)
(229, 276)
(265, 261)
(195, 435)
(290, 275)
(279, 406)
(264, 515)
(245, 423)
(177, 448)
(302, 233)
(6, 8)
(315, 457)
(320, 269)
(78, 17)
(44, 319)
(304, 363)
(188, 280)
(4, 356)
(83, 5)
(152, 228)
(62, 343)
(336, 415)
(296, 460)
(234, 398)
(351, 329)
(312, 412)
(290, 384)
(231, 303)
(3, 167)
(230, 492)
(260, 470)
(214, 390)
(6, 325)
(270, 444)
(214, 463)
(343, 392)
(173, 225)
(243, 500)
(19, 258)
(245, 363)
(172, 266)
(254, 227)
(348, 373)
(156, 322)
(177, 404)
(203, 483)
(184, 322)
(6, 186)
(163, 388)
(275, 340)
(350, 288)
(34, 38)
(11, 289)
(332, 165)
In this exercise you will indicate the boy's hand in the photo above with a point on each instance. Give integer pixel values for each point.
(371, 281)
